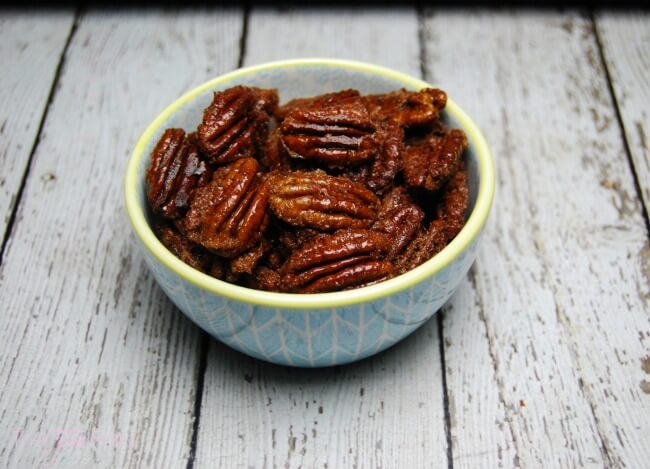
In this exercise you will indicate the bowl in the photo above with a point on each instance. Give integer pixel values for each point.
(323, 329)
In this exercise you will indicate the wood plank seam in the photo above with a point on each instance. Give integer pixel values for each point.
(200, 383)
(445, 393)
(495, 366)
(425, 75)
(205, 338)
(32, 152)
(621, 125)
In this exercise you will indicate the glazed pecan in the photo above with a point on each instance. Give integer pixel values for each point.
(190, 253)
(235, 124)
(326, 99)
(389, 160)
(407, 108)
(275, 156)
(430, 164)
(426, 244)
(246, 262)
(176, 170)
(400, 218)
(345, 259)
(317, 200)
(228, 215)
(455, 199)
(335, 135)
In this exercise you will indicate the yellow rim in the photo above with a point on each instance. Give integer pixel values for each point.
(320, 300)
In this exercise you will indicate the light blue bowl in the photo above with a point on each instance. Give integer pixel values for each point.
(319, 329)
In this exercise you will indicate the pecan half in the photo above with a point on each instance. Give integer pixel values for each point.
(407, 108)
(326, 99)
(400, 218)
(235, 124)
(190, 253)
(317, 200)
(426, 244)
(430, 164)
(455, 200)
(335, 135)
(228, 215)
(389, 160)
(275, 156)
(246, 262)
(176, 170)
(344, 259)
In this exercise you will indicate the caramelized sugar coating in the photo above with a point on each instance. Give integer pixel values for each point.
(400, 218)
(335, 135)
(228, 215)
(430, 164)
(317, 200)
(324, 193)
(344, 259)
(407, 108)
(235, 125)
(190, 253)
(176, 170)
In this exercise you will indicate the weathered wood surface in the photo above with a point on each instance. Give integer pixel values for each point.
(561, 285)
(625, 39)
(546, 344)
(30, 51)
(98, 368)
(386, 411)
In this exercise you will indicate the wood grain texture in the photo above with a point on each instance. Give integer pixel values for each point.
(30, 49)
(625, 39)
(386, 411)
(561, 286)
(98, 368)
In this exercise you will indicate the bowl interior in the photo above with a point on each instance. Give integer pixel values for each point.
(302, 79)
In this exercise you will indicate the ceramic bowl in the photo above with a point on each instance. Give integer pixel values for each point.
(310, 330)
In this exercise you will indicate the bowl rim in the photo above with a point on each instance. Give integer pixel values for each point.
(402, 282)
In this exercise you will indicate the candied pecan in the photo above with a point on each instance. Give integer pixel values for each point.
(228, 215)
(430, 164)
(407, 108)
(275, 156)
(426, 244)
(326, 99)
(265, 278)
(345, 259)
(235, 124)
(455, 199)
(389, 160)
(246, 262)
(335, 135)
(317, 200)
(190, 253)
(176, 170)
(400, 218)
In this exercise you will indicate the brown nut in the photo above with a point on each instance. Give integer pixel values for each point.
(247, 261)
(344, 259)
(228, 215)
(426, 244)
(400, 218)
(389, 160)
(235, 124)
(335, 135)
(317, 200)
(176, 170)
(455, 200)
(326, 99)
(190, 253)
(407, 108)
(430, 164)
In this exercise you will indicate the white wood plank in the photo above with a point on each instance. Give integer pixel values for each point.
(31, 45)
(561, 286)
(98, 368)
(626, 46)
(386, 411)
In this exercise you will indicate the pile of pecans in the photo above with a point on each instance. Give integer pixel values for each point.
(327, 193)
